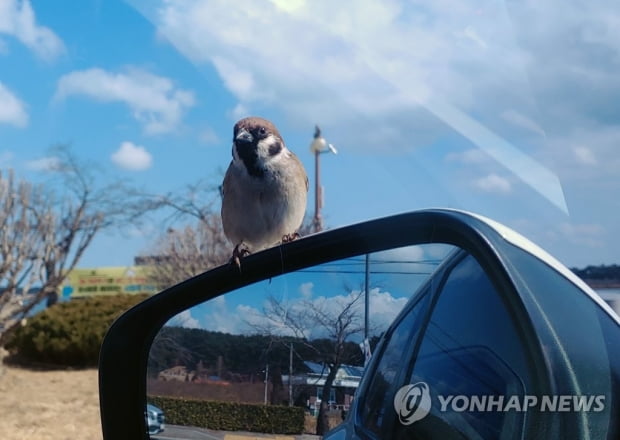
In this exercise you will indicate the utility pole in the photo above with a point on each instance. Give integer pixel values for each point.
(319, 146)
(290, 375)
(266, 381)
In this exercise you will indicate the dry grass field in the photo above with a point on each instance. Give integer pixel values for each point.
(49, 405)
(64, 405)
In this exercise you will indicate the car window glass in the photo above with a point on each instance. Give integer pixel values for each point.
(470, 348)
(376, 407)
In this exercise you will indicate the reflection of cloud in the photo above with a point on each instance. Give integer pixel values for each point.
(384, 308)
(305, 289)
(245, 319)
(405, 254)
(184, 319)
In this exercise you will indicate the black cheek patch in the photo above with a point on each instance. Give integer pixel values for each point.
(275, 148)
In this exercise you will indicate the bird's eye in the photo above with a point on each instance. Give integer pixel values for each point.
(262, 130)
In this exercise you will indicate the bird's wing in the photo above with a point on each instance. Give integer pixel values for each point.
(225, 186)
(300, 165)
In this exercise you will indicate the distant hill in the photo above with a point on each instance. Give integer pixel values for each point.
(600, 277)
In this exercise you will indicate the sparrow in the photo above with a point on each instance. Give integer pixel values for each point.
(264, 191)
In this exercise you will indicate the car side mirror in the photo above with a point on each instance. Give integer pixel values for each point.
(166, 348)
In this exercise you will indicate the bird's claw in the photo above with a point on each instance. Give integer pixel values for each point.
(239, 252)
(290, 237)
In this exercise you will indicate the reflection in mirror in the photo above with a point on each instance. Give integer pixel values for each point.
(284, 355)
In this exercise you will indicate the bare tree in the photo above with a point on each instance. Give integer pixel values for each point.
(187, 250)
(45, 230)
(183, 253)
(197, 201)
(337, 323)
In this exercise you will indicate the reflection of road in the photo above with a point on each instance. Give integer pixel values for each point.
(175, 432)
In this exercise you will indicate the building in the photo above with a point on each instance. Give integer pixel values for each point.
(345, 383)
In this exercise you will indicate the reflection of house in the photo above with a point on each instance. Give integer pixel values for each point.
(345, 383)
(179, 373)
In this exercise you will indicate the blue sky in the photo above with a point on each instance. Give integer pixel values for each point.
(508, 109)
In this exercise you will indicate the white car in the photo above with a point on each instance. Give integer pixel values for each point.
(155, 419)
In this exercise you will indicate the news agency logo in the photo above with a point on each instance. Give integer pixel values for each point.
(413, 402)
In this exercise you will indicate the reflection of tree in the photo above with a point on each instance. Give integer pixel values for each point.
(243, 356)
(338, 323)
(375, 401)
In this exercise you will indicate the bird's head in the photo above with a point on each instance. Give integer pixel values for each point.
(256, 141)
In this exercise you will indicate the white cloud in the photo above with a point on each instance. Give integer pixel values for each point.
(523, 121)
(494, 184)
(409, 67)
(236, 79)
(209, 136)
(239, 111)
(50, 163)
(6, 157)
(17, 19)
(12, 109)
(471, 156)
(588, 234)
(154, 100)
(584, 155)
(132, 157)
(471, 33)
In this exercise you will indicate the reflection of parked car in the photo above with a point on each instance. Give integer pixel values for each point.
(483, 343)
(154, 419)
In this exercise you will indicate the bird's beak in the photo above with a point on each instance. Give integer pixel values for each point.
(244, 136)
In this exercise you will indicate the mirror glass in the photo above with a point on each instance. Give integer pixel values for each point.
(271, 344)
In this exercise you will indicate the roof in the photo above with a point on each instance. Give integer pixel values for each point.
(321, 369)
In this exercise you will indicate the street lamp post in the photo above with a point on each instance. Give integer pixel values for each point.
(319, 146)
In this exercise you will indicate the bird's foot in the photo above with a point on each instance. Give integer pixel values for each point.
(239, 252)
(290, 237)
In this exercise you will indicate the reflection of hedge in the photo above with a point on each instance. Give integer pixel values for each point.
(231, 416)
(70, 333)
